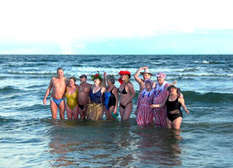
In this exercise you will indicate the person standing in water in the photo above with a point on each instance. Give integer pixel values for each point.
(83, 96)
(173, 104)
(111, 97)
(146, 76)
(144, 112)
(127, 94)
(161, 94)
(72, 100)
(95, 106)
(58, 87)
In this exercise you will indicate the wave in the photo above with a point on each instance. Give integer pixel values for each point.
(209, 97)
(9, 89)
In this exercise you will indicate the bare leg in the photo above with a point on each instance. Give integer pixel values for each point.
(169, 123)
(69, 112)
(53, 108)
(122, 110)
(127, 112)
(75, 113)
(111, 109)
(62, 110)
(83, 112)
(177, 123)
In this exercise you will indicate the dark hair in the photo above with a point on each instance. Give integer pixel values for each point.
(177, 89)
(83, 76)
(59, 68)
(111, 78)
(73, 78)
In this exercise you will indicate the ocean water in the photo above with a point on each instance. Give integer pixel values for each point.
(29, 138)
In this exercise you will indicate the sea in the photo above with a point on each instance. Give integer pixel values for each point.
(29, 138)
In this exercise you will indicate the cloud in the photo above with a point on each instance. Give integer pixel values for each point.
(77, 21)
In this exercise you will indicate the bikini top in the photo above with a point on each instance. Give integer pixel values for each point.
(173, 105)
(96, 97)
(123, 91)
(73, 95)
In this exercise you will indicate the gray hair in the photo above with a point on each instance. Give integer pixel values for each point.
(111, 78)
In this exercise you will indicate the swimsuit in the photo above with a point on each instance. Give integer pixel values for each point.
(96, 97)
(109, 99)
(81, 106)
(57, 101)
(173, 109)
(123, 92)
(72, 99)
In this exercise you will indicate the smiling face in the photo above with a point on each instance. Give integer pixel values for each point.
(173, 91)
(146, 76)
(148, 86)
(160, 80)
(125, 77)
(83, 79)
(97, 82)
(71, 82)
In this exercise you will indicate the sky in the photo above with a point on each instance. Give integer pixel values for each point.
(116, 27)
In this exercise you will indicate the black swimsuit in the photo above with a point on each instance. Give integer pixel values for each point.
(173, 109)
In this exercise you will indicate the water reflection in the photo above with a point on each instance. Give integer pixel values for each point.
(111, 144)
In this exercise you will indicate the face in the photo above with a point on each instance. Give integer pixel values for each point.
(146, 76)
(83, 79)
(125, 77)
(60, 73)
(109, 82)
(148, 86)
(97, 82)
(160, 80)
(173, 91)
(72, 82)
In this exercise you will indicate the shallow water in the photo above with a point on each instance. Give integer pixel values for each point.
(29, 138)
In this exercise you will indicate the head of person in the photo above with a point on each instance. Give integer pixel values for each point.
(83, 78)
(125, 76)
(110, 80)
(146, 74)
(173, 90)
(72, 81)
(97, 79)
(148, 84)
(60, 72)
(161, 77)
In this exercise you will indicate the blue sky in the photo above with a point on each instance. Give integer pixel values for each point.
(116, 27)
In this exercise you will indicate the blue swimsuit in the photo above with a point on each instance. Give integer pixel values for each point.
(57, 101)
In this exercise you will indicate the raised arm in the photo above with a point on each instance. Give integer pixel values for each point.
(105, 80)
(115, 93)
(136, 75)
(48, 91)
(182, 102)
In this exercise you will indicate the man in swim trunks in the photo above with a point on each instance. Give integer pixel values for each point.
(83, 96)
(146, 76)
(58, 87)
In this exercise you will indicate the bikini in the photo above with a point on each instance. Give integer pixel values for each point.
(72, 99)
(124, 92)
(57, 101)
(173, 109)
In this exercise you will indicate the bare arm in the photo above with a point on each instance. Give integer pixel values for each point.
(48, 91)
(105, 80)
(182, 102)
(132, 91)
(115, 93)
(138, 73)
(159, 105)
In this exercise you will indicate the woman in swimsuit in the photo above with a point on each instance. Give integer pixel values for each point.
(95, 107)
(144, 112)
(72, 100)
(173, 104)
(127, 94)
(110, 97)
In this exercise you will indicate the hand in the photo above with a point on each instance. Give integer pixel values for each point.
(44, 101)
(154, 106)
(115, 111)
(187, 111)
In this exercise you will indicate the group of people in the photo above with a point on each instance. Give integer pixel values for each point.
(158, 102)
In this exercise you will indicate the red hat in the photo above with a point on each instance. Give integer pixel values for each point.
(125, 73)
